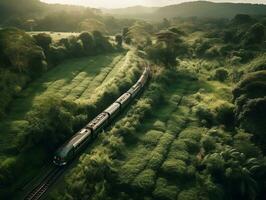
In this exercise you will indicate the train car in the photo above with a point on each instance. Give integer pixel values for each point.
(68, 150)
(134, 90)
(113, 110)
(144, 77)
(98, 123)
(124, 99)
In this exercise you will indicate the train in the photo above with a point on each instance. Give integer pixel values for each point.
(72, 148)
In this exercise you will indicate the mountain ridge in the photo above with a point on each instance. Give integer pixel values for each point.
(190, 9)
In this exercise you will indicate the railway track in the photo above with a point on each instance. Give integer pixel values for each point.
(85, 135)
(45, 184)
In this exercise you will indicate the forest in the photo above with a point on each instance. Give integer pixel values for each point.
(196, 131)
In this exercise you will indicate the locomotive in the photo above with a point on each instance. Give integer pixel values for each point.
(71, 148)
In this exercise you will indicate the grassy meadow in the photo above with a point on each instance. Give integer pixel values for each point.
(83, 81)
(196, 131)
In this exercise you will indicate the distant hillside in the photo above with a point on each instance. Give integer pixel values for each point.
(190, 9)
(132, 10)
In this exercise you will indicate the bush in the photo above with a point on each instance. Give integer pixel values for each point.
(225, 115)
(254, 35)
(88, 42)
(57, 54)
(145, 180)
(20, 51)
(43, 40)
(252, 118)
(208, 143)
(190, 194)
(220, 74)
(174, 168)
(164, 191)
(162, 54)
(205, 115)
(151, 138)
(119, 40)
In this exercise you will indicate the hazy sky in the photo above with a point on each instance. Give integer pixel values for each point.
(126, 3)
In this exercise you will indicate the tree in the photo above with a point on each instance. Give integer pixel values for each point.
(255, 34)
(87, 41)
(43, 40)
(221, 74)
(235, 171)
(119, 40)
(125, 32)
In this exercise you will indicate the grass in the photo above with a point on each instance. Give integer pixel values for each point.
(70, 80)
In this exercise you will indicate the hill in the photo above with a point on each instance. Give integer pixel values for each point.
(191, 9)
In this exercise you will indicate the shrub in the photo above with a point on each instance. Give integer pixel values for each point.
(20, 51)
(162, 54)
(174, 168)
(225, 114)
(87, 41)
(190, 194)
(164, 191)
(119, 40)
(220, 74)
(252, 118)
(151, 138)
(56, 54)
(145, 180)
(208, 143)
(159, 125)
(205, 115)
(43, 40)
(254, 35)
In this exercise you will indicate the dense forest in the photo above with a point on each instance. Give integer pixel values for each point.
(197, 131)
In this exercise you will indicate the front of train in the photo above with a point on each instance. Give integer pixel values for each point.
(60, 158)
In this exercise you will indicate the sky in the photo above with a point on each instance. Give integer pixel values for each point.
(128, 3)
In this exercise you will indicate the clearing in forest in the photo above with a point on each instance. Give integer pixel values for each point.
(74, 80)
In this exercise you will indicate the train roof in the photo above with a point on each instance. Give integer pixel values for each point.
(64, 150)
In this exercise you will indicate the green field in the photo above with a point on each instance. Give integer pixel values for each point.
(74, 80)
(84, 81)
(159, 152)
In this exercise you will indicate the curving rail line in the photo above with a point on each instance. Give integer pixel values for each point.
(40, 189)
(45, 184)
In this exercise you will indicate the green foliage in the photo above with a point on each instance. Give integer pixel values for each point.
(119, 40)
(164, 191)
(19, 50)
(255, 35)
(189, 194)
(220, 74)
(145, 180)
(250, 101)
(161, 54)
(47, 123)
(174, 168)
(43, 40)
(242, 19)
(225, 115)
(231, 167)
(87, 41)
(205, 115)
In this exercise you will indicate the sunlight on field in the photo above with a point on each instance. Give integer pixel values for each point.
(56, 36)
(69, 80)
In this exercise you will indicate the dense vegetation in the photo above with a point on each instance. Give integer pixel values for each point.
(189, 136)
(39, 112)
(35, 15)
(196, 132)
(203, 9)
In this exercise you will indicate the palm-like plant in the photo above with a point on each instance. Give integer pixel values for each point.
(235, 171)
